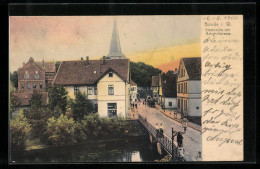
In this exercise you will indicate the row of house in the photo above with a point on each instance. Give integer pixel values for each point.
(181, 89)
(106, 81)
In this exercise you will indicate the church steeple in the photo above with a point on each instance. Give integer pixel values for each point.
(115, 48)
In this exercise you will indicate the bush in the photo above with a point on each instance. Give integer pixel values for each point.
(64, 131)
(95, 126)
(81, 106)
(19, 128)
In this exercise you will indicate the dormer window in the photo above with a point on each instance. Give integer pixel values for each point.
(110, 74)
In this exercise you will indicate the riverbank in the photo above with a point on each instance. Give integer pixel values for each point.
(131, 149)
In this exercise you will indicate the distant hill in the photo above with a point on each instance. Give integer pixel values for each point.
(142, 73)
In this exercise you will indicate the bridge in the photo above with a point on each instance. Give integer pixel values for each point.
(165, 142)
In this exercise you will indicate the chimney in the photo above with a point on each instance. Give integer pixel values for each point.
(87, 58)
(81, 58)
(23, 63)
(31, 59)
(104, 60)
(42, 62)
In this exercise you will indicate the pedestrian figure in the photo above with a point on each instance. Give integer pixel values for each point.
(161, 130)
(136, 105)
(185, 128)
(179, 139)
(198, 155)
(181, 151)
(175, 115)
(133, 105)
(143, 102)
(157, 130)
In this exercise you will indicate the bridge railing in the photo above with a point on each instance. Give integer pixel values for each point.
(165, 141)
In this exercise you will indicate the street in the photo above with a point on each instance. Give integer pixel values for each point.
(191, 139)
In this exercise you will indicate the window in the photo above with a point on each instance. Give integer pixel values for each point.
(110, 74)
(183, 72)
(112, 109)
(37, 76)
(181, 88)
(185, 105)
(76, 89)
(40, 85)
(90, 92)
(26, 75)
(29, 86)
(179, 103)
(170, 103)
(111, 89)
(185, 89)
(95, 90)
(22, 86)
(34, 86)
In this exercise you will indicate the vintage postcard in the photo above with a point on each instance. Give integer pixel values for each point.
(146, 88)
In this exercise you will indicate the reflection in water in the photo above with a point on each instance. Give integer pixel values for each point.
(136, 157)
(138, 149)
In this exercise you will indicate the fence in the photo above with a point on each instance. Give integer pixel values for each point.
(165, 141)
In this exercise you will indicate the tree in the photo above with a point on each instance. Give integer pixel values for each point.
(81, 106)
(57, 65)
(36, 100)
(37, 115)
(14, 79)
(61, 131)
(19, 128)
(13, 99)
(142, 73)
(58, 98)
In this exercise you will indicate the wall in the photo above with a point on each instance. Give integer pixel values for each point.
(119, 97)
(194, 88)
(192, 107)
(169, 99)
(82, 89)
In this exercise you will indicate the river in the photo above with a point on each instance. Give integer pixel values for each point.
(137, 149)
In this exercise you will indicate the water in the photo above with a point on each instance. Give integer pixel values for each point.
(138, 149)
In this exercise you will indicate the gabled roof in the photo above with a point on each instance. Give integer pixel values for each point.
(24, 98)
(29, 64)
(169, 85)
(193, 67)
(106, 72)
(49, 66)
(155, 81)
(87, 73)
(132, 83)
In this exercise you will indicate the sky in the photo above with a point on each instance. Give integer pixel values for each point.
(155, 40)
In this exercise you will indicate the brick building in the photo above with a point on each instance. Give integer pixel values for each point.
(34, 76)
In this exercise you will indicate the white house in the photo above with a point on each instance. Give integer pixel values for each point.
(189, 89)
(105, 82)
